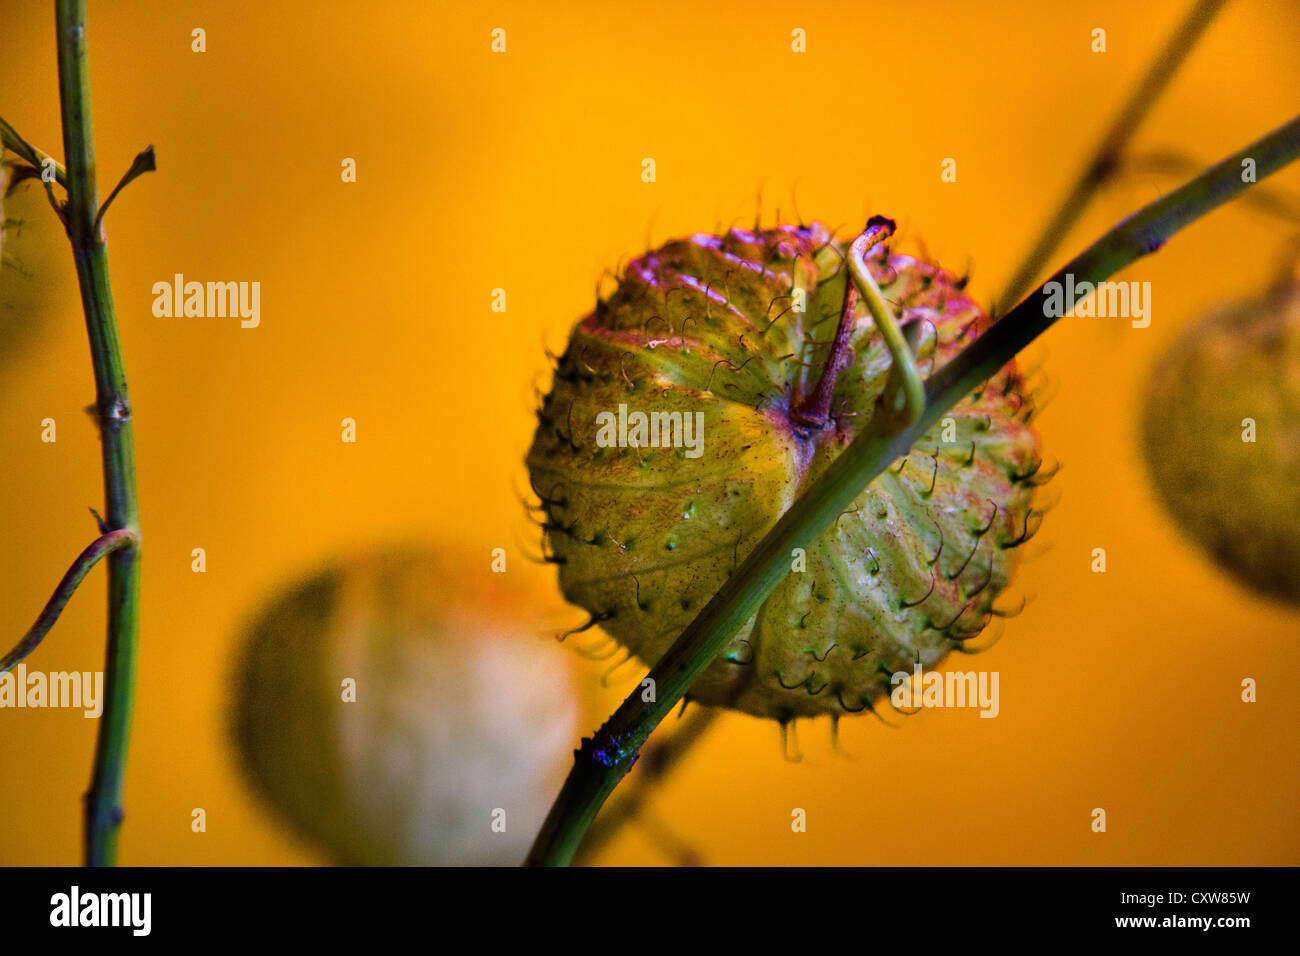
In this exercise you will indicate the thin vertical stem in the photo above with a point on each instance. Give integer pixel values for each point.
(103, 811)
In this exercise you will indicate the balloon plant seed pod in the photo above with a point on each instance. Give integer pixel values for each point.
(396, 712)
(1221, 435)
(721, 377)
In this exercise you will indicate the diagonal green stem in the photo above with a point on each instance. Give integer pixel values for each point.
(1277, 203)
(602, 761)
(660, 757)
(103, 812)
(107, 544)
(13, 142)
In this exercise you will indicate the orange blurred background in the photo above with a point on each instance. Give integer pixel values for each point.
(522, 171)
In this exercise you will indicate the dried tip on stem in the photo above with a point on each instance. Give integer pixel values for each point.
(144, 162)
(883, 224)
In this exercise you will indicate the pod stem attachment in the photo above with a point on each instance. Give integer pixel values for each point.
(904, 394)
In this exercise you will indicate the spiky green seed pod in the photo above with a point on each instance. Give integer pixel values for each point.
(1221, 433)
(397, 714)
(731, 332)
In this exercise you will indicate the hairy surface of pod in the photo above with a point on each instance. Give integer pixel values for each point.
(714, 339)
(1221, 432)
(460, 726)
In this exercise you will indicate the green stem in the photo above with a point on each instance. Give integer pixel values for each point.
(602, 761)
(1277, 203)
(1106, 158)
(107, 544)
(13, 142)
(37, 159)
(660, 758)
(103, 812)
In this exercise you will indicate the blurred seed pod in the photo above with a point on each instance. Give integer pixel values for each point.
(30, 236)
(4, 223)
(1221, 434)
(398, 712)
